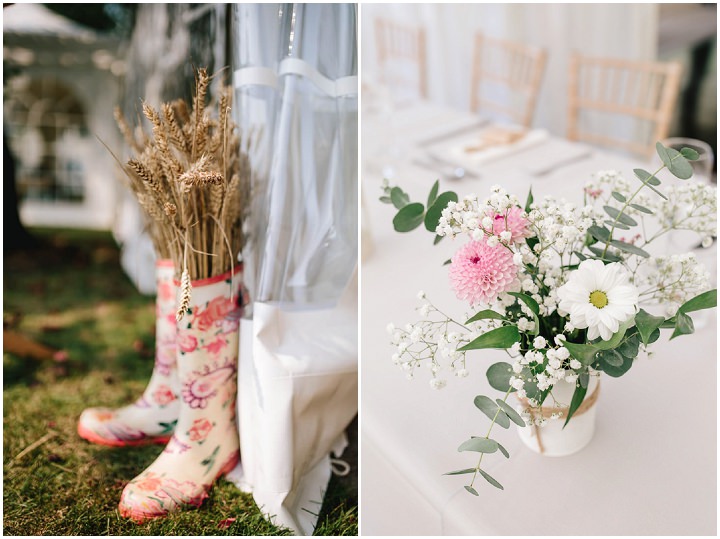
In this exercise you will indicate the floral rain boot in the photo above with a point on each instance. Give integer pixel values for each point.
(151, 418)
(205, 444)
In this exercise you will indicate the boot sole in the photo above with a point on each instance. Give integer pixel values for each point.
(94, 438)
(139, 517)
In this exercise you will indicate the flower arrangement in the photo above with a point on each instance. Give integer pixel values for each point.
(562, 288)
(191, 177)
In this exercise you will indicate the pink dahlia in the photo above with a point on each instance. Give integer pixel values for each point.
(479, 273)
(512, 221)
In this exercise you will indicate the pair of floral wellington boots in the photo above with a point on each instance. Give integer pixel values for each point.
(188, 404)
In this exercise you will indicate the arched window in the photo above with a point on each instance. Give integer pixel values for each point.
(44, 121)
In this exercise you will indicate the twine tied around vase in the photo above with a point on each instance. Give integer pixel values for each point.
(546, 412)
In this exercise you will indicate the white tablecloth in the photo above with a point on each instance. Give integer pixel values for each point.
(651, 467)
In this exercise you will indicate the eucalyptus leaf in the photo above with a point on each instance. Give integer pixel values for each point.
(498, 376)
(646, 323)
(461, 472)
(617, 196)
(645, 177)
(675, 162)
(580, 255)
(503, 451)
(617, 371)
(502, 338)
(683, 325)
(490, 479)
(399, 198)
(386, 199)
(617, 225)
(409, 217)
(511, 413)
(471, 490)
(662, 151)
(433, 193)
(649, 180)
(706, 300)
(434, 212)
(487, 406)
(612, 358)
(629, 248)
(619, 217)
(577, 398)
(643, 209)
(610, 257)
(480, 445)
(599, 233)
(485, 315)
(689, 154)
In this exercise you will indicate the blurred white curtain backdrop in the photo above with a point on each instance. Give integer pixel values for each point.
(617, 30)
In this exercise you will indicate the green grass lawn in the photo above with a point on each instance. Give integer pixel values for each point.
(70, 293)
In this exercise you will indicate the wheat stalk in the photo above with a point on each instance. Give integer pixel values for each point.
(191, 176)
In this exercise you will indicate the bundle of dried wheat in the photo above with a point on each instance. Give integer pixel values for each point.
(191, 176)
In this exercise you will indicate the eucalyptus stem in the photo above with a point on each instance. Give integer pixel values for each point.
(487, 436)
(627, 203)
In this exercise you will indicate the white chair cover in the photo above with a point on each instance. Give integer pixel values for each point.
(295, 79)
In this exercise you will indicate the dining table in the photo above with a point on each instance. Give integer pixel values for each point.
(651, 466)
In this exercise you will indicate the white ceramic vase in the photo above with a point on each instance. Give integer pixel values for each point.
(551, 439)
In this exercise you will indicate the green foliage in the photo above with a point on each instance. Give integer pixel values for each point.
(487, 406)
(534, 307)
(584, 353)
(529, 201)
(510, 412)
(647, 324)
(683, 325)
(500, 338)
(479, 445)
(461, 472)
(577, 398)
(411, 215)
(491, 480)
(399, 198)
(675, 161)
(486, 314)
(434, 212)
(499, 376)
(706, 300)
(629, 248)
(619, 216)
(503, 450)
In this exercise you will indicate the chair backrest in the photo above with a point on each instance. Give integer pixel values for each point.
(643, 92)
(401, 44)
(506, 78)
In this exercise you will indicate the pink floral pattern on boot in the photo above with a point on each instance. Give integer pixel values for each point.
(205, 444)
(151, 418)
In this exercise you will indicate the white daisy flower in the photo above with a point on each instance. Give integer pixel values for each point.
(598, 297)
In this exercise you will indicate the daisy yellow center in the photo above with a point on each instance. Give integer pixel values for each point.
(599, 299)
